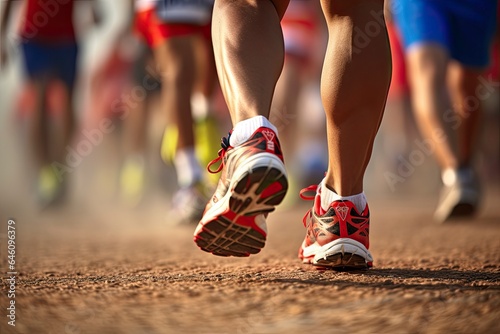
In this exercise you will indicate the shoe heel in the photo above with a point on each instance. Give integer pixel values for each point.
(344, 253)
(259, 191)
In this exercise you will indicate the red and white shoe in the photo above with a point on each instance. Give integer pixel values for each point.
(252, 183)
(336, 238)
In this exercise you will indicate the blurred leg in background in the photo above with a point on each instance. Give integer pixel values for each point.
(50, 55)
(447, 47)
(296, 109)
(176, 41)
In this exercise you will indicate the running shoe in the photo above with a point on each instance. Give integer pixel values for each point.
(132, 180)
(51, 187)
(169, 143)
(336, 238)
(206, 136)
(205, 131)
(188, 204)
(253, 182)
(460, 196)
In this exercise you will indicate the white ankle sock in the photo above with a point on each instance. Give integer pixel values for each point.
(328, 196)
(449, 176)
(200, 106)
(187, 167)
(244, 129)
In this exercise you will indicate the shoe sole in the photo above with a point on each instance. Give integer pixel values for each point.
(463, 210)
(343, 254)
(460, 210)
(462, 205)
(235, 230)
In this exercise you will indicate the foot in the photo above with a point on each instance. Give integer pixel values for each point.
(132, 180)
(51, 188)
(338, 237)
(188, 204)
(460, 195)
(252, 184)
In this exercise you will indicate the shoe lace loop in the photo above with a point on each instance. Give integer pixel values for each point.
(220, 155)
(306, 190)
(304, 196)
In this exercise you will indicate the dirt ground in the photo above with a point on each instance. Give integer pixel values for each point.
(91, 271)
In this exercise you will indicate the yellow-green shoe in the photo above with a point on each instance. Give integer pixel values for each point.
(132, 181)
(207, 140)
(49, 187)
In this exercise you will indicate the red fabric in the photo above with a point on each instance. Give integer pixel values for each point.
(48, 20)
(399, 82)
(156, 32)
(494, 69)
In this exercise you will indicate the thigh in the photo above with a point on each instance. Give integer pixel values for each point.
(427, 66)
(176, 59)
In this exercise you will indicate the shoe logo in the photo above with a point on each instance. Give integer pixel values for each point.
(269, 138)
(215, 199)
(342, 210)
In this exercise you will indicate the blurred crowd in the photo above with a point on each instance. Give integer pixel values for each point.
(144, 104)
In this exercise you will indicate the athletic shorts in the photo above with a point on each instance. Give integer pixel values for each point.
(56, 59)
(465, 28)
(156, 32)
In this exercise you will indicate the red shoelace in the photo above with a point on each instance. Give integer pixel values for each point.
(220, 155)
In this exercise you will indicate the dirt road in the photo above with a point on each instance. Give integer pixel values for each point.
(84, 271)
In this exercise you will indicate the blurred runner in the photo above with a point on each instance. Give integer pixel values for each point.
(50, 50)
(175, 31)
(397, 128)
(118, 93)
(302, 132)
(447, 45)
(133, 172)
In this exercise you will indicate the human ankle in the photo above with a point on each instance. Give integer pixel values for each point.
(244, 129)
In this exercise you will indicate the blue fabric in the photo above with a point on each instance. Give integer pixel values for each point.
(56, 60)
(465, 28)
(198, 12)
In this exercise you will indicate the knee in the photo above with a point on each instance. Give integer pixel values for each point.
(427, 69)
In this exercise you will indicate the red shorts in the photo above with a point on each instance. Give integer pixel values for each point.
(299, 30)
(399, 84)
(156, 32)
